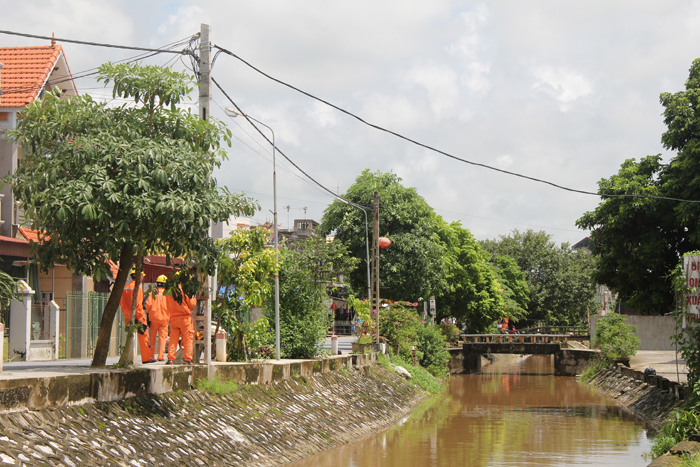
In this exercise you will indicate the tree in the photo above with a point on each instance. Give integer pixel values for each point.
(307, 269)
(244, 269)
(105, 183)
(473, 288)
(413, 267)
(558, 277)
(615, 338)
(637, 241)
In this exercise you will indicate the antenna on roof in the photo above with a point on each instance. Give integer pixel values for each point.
(53, 41)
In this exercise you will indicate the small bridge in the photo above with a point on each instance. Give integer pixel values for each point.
(567, 362)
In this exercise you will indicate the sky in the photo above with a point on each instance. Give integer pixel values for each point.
(560, 91)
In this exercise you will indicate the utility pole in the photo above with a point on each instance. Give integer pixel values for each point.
(204, 80)
(375, 254)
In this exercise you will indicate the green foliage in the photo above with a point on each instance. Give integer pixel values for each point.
(592, 369)
(419, 375)
(8, 291)
(473, 290)
(558, 277)
(615, 338)
(399, 324)
(362, 308)
(682, 424)
(303, 273)
(216, 386)
(430, 341)
(639, 241)
(101, 182)
(244, 269)
(413, 266)
(450, 332)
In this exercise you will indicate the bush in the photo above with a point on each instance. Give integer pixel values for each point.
(434, 354)
(399, 325)
(615, 338)
(683, 423)
(451, 332)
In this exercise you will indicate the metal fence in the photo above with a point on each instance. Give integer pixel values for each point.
(79, 330)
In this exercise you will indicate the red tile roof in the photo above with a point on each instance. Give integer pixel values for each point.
(29, 234)
(25, 72)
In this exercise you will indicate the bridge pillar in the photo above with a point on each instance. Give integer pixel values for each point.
(464, 362)
(572, 362)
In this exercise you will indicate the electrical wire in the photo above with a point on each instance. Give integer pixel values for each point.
(96, 44)
(282, 153)
(430, 148)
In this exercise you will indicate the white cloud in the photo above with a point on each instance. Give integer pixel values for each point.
(561, 83)
(440, 82)
(323, 116)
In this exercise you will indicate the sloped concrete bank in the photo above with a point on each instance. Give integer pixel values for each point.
(259, 425)
(651, 400)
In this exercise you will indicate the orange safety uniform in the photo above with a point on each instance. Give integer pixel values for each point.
(158, 314)
(181, 324)
(125, 303)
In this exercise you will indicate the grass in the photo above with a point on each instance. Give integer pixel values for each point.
(593, 368)
(691, 461)
(217, 386)
(419, 375)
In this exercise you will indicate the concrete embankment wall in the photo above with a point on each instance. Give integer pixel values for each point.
(651, 400)
(60, 386)
(654, 332)
(260, 425)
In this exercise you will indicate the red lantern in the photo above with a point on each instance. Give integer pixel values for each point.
(384, 242)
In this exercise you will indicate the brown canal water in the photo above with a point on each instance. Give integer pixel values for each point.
(516, 413)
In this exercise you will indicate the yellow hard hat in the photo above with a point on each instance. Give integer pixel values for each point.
(132, 273)
(162, 279)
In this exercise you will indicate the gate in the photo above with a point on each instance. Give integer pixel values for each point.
(82, 324)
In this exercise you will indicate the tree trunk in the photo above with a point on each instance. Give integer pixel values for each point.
(103, 337)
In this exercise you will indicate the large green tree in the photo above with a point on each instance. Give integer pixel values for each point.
(105, 183)
(476, 289)
(638, 241)
(558, 277)
(413, 267)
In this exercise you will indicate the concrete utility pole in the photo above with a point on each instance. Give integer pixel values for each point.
(375, 253)
(204, 80)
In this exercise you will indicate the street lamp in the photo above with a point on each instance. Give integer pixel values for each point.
(357, 206)
(231, 112)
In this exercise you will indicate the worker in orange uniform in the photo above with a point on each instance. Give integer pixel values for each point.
(157, 309)
(139, 318)
(181, 325)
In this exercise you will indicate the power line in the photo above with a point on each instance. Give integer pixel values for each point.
(282, 153)
(430, 148)
(98, 44)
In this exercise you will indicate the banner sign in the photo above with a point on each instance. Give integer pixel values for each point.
(691, 266)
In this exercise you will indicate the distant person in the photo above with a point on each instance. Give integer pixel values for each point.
(157, 309)
(139, 317)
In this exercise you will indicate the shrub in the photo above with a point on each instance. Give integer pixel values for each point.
(451, 332)
(434, 354)
(399, 325)
(683, 423)
(615, 338)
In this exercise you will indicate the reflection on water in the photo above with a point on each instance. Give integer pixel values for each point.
(515, 413)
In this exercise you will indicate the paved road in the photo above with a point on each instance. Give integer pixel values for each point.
(663, 361)
(343, 343)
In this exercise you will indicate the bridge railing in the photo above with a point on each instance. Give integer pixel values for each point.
(515, 338)
(576, 331)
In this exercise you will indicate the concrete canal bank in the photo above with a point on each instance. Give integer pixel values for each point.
(271, 423)
(650, 397)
